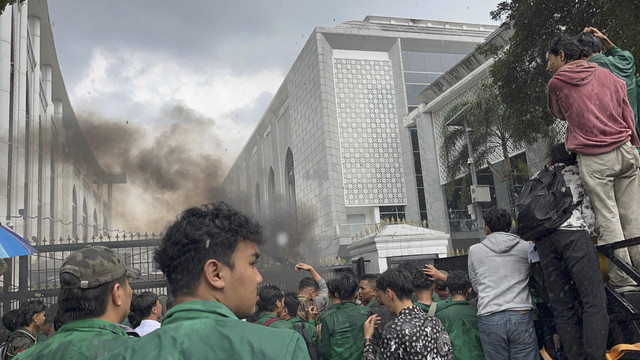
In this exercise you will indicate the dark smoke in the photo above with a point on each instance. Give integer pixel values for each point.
(169, 167)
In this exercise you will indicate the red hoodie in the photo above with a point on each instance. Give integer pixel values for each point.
(594, 103)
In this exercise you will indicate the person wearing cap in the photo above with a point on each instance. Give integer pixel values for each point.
(94, 296)
(209, 257)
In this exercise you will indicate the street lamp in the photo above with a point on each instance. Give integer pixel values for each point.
(474, 208)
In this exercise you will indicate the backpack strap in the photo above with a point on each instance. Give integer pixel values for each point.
(433, 308)
(269, 322)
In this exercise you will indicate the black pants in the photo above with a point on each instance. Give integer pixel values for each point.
(572, 276)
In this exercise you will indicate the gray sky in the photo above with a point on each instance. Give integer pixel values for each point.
(223, 59)
(138, 63)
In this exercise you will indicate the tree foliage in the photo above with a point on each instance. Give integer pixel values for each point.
(492, 130)
(5, 3)
(520, 73)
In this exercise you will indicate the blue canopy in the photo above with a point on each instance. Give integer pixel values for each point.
(12, 244)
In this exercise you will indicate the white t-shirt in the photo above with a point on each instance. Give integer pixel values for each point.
(147, 326)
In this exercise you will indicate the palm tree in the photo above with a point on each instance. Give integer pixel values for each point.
(492, 131)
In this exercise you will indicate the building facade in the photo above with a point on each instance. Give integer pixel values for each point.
(51, 184)
(331, 153)
(456, 84)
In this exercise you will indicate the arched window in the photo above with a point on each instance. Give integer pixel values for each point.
(271, 190)
(74, 214)
(105, 226)
(95, 223)
(291, 182)
(85, 221)
(256, 201)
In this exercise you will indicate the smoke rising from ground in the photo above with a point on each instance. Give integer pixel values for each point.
(177, 163)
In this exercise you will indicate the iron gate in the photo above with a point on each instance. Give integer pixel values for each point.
(36, 276)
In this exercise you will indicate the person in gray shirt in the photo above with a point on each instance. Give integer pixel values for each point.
(499, 272)
(313, 288)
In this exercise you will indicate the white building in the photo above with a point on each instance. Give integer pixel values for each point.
(332, 152)
(51, 184)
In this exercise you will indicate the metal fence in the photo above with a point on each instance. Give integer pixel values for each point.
(36, 276)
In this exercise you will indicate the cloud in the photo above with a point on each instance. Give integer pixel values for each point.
(151, 78)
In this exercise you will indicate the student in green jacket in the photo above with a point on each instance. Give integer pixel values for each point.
(366, 290)
(460, 319)
(31, 317)
(290, 314)
(271, 307)
(424, 288)
(614, 59)
(95, 296)
(342, 325)
(209, 257)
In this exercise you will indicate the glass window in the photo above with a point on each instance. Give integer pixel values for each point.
(414, 61)
(412, 93)
(420, 78)
(356, 219)
(447, 61)
(392, 212)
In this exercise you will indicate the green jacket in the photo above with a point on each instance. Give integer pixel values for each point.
(80, 339)
(440, 305)
(622, 65)
(342, 336)
(372, 303)
(208, 329)
(308, 326)
(20, 340)
(278, 324)
(460, 319)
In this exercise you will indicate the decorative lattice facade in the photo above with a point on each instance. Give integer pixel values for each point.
(372, 168)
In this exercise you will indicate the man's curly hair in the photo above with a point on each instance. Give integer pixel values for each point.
(198, 235)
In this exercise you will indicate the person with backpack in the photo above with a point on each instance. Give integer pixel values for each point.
(571, 270)
(306, 329)
(270, 308)
(601, 131)
(31, 318)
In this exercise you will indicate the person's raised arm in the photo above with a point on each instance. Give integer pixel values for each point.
(310, 269)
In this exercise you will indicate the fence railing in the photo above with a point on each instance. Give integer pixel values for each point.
(36, 276)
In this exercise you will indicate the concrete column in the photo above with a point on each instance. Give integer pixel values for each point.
(47, 82)
(36, 108)
(5, 110)
(20, 122)
(58, 112)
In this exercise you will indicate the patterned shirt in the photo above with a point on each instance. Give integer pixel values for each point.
(412, 335)
(583, 217)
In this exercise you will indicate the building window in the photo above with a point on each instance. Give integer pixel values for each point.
(74, 214)
(291, 182)
(423, 68)
(95, 224)
(85, 221)
(391, 213)
(272, 190)
(417, 166)
(105, 226)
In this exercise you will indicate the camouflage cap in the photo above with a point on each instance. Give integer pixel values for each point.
(96, 265)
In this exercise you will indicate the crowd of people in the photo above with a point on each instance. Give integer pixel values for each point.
(221, 311)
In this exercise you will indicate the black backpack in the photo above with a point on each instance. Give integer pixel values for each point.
(311, 345)
(545, 202)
